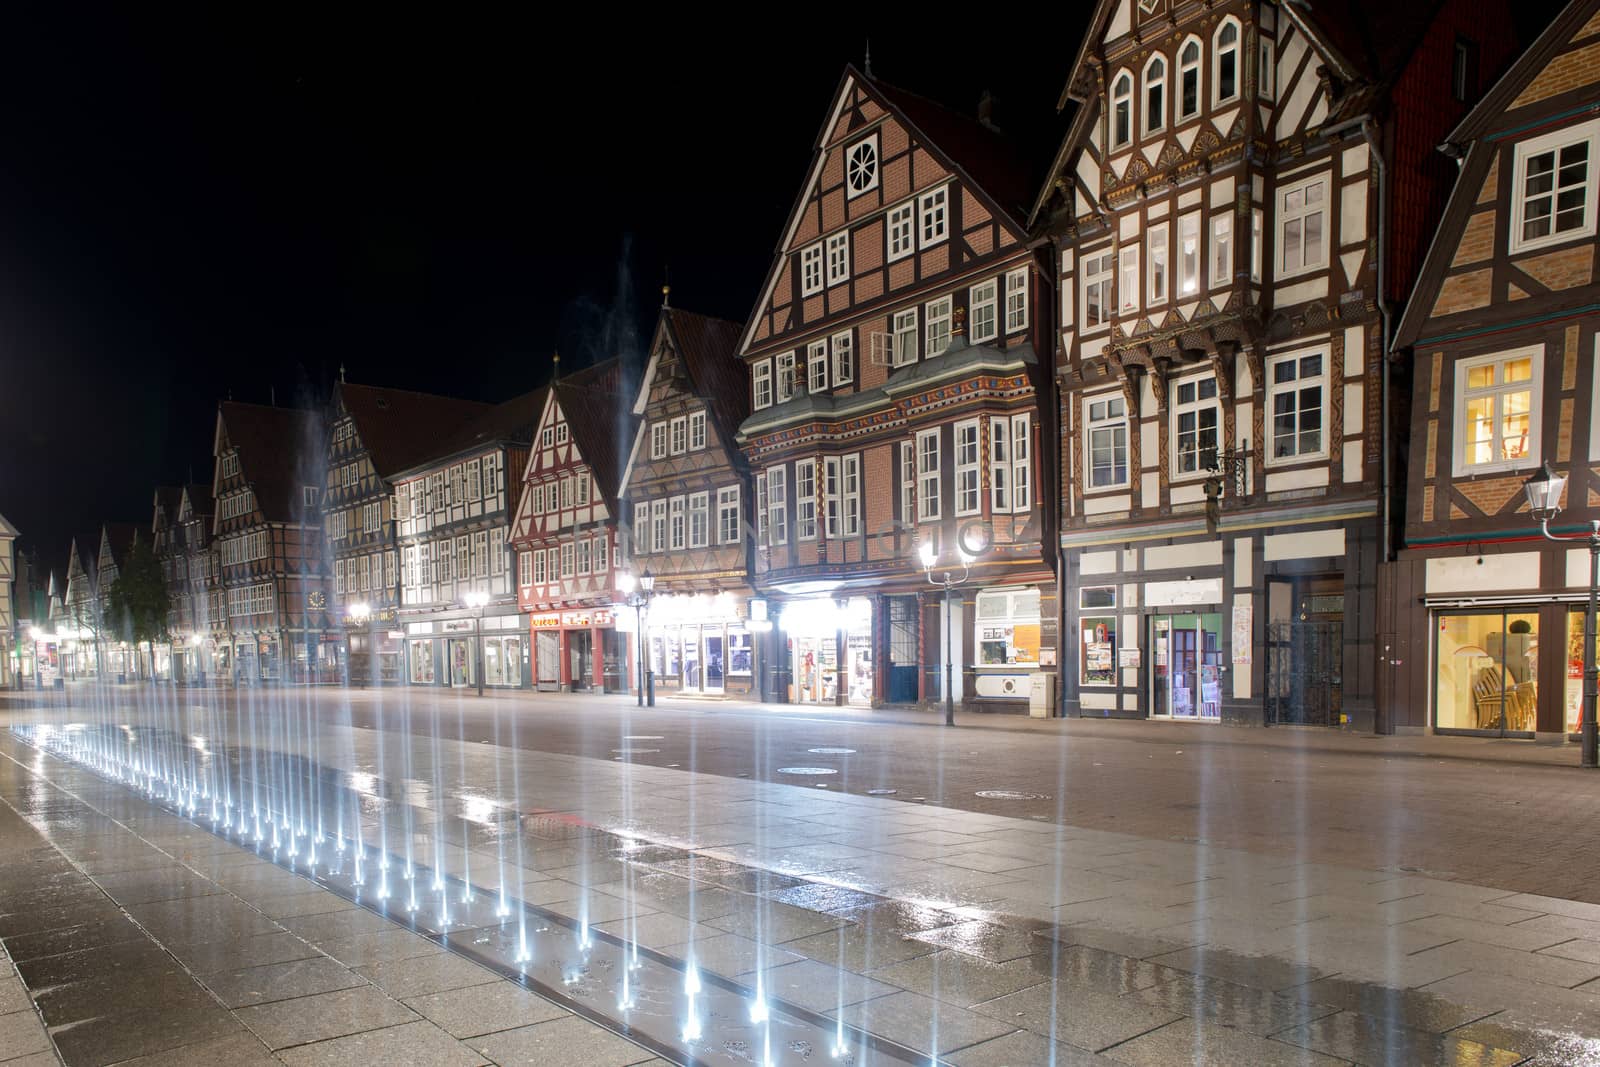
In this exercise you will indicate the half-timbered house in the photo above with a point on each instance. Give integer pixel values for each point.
(10, 639)
(373, 434)
(166, 542)
(268, 536)
(79, 624)
(454, 509)
(897, 357)
(1233, 210)
(118, 656)
(1482, 630)
(565, 533)
(686, 487)
(196, 589)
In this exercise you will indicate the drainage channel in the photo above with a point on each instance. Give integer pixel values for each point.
(664, 1004)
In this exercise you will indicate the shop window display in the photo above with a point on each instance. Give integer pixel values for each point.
(1487, 671)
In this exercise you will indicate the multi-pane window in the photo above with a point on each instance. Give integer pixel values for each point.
(761, 383)
(937, 328)
(1221, 250)
(1188, 255)
(525, 569)
(908, 478)
(983, 302)
(1189, 80)
(902, 230)
(1009, 446)
(1155, 95)
(1157, 243)
(677, 525)
(851, 522)
(1257, 226)
(566, 492)
(230, 464)
(582, 481)
(658, 440)
(761, 509)
(582, 551)
(728, 515)
(905, 337)
(786, 381)
(474, 479)
(830, 496)
(561, 433)
(1296, 391)
(817, 367)
(658, 525)
(805, 500)
(480, 553)
(839, 258)
(1128, 278)
(699, 519)
(568, 560)
(927, 475)
(1196, 424)
(641, 528)
(1096, 278)
(1017, 300)
(1122, 110)
(1225, 61)
(811, 269)
(844, 358)
(1021, 462)
(680, 435)
(967, 471)
(1106, 427)
(1551, 200)
(933, 211)
(1303, 226)
(777, 507)
(1266, 70)
(697, 431)
(1497, 409)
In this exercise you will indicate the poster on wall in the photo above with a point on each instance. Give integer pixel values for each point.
(1243, 624)
(1025, 640)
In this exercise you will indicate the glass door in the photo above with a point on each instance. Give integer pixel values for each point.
(1186, 670)
(1487, 671)
(460, 662)
(692, 681)
(513, 661)
(714, 662)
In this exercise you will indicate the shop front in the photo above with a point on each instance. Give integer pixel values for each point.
(1009, 639)
(256, 659)
(701, 645)
(580, 651)
(446, 652)
(1490, 679)
(372, 641)
(829, 648)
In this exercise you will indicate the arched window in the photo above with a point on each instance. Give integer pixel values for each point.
(1122, 110)
(1189, 80)
(1155, 95)
(1226, 61)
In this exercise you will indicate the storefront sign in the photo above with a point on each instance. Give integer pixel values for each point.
(547, 621)
(597, 617)
(457, 626)
(1183, 594)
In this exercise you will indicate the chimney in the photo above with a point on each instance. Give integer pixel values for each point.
(986, 110)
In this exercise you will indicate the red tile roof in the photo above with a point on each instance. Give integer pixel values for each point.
(281, 450)
(709, 349)
(601, 423)
(400, 428)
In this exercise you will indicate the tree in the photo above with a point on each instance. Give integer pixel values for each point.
(137, 605)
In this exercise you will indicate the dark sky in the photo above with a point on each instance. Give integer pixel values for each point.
(193, 207)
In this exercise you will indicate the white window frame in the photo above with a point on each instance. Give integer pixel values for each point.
(805, 500)
(785, 376)
(1185, 67)
(983, 311)
(699, 520)
(1106, 423)
(969, 489)
(871, 146)
(844, 357)
(761, 384)
(1296, 385)
(526, 569)
(658, 525)
(908, 479)
(1258, 228)
(1197, 407)
(936, 318)
(568, 559)
(928, 474)
(817, 367)
(658, 440)
(1220, 254)
(839, 257)
(561, 433)
(1120, 114)
(677, 524)
(902, 230)
(1154, 83)
(1158, 274)
(641, 528)
(811, 269)
(905, 337)
(933, 216)
(831, 493)
(679, 439)
(1553, 142)
(1016, 300)
(1100, 282)
(697, 431)
(851, 465)
(1218, 50)
(777, 506)
(581, 551)
(1191, 257)
(1021, 462)
(728, 519)
(1534, 386)
(1266, 69)
(761, 508)
(1286, 217)
(1128, 280)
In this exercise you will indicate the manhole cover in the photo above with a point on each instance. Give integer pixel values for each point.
(807, 770)
(882, 792)
(832, 751)
(1009, 794)
(644, 737)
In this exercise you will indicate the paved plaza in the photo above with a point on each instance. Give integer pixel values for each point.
(1127, 893)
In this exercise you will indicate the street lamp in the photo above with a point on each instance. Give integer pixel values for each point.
(969, 543)
(1544, 500)
(477, 598)
(637, 599)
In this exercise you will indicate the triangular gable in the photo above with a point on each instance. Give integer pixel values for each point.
(1576, 22)
(6, 529)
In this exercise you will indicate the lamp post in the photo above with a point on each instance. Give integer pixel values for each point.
(969, 543)
(1544, 500)
(477, 598)
(637, 591)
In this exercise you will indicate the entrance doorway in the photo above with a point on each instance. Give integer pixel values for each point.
(547, 659)
(461, 667)
(1186, 671)
(580, 649)
(690, 636)
(714, 660)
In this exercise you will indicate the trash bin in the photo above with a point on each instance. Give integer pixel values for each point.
(1041, 694)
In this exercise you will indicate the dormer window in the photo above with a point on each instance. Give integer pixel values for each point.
(1189, 80)
(1155, 95)
(861, 166)
(1122, 110)
(1226, 62)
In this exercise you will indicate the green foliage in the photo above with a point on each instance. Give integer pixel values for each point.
(136, 608)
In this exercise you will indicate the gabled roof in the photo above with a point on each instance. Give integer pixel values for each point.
(119, 537)
(511, 422)
(199, 498)
(399, 428)
(280, 451)
(709, 349)
(6, 529)
(165, 512)
(1497, 101)
(599, 420)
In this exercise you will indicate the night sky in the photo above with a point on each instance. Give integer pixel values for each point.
(237, 200)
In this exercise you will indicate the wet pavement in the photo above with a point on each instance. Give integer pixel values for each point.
(977, 937)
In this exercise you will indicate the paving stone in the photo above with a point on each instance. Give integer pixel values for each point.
(569, 1040)
(339, 925)
(324, 1016)
(112, 994)
(426, 974)
(1538, 1047)
(914, 1020)
(1259, 972)
(418, 1044)
(1194, 1043)
(392, 943)
(1022, 1049)
(208, 957)
(1363, 1039)
(167, 883)
(1554, 970)
(1082, 1017)
(242, 1049)
(659, 930)
(106, 932)
(114, 1038)
(292, 905)
(1520, 937)
(127, 959)
(280, 981)
(991, 941)
(14, 996)
(956, 978)
(1414, 1008)
(775, 923)
(477, 1010)
(731, 955)
(1222, 1003)
(22, 1034)
(814, 985)
(212, 918)
(1575, 949)
(863, 948)
(83, 913)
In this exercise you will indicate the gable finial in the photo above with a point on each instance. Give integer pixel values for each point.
(555, 361)
(866, 67)
(341, 373)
